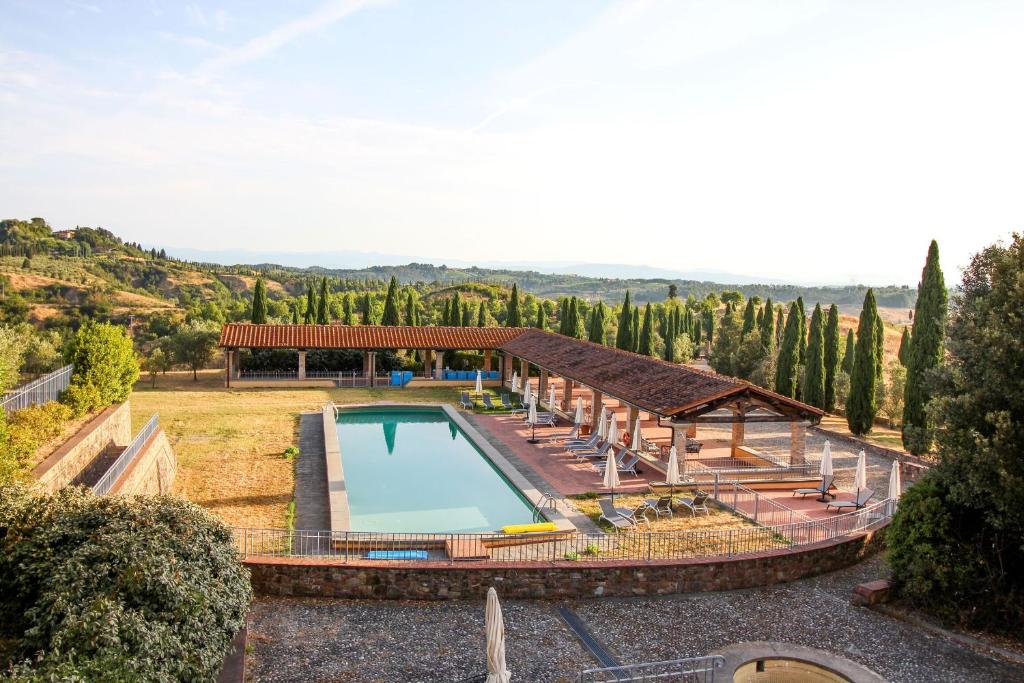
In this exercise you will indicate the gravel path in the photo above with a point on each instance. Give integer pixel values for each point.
(322, 640)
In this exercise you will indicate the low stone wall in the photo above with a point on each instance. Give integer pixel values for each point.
(548, 580)
(112, 427)
(152, 471)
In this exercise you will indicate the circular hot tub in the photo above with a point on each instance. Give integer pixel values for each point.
(767, 662)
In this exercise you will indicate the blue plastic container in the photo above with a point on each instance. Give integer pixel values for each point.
(397, 555)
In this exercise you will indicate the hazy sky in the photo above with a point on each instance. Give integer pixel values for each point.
(814, 141)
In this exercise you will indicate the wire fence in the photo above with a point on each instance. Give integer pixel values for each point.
(110, 477)
(349, 546)
(690, 670)
(43, 390)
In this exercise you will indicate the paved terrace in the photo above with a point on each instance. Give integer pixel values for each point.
(324, 640)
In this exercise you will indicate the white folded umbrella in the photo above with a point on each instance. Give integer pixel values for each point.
(612, 434)
(551, 399)
(531, 417)
(826, 460)
(515, 381)
(579, 410)
(602, 423)
(895, 481)
(479, 383)
(611, 472)
(635, 439)
(860, 480)
(527, 393)
(494, 625)
(672, 469)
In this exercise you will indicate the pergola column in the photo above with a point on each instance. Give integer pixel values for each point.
(227, 367)
(542, 388)
(567, 395)
(302, 363)
(738, 432)
(373, 368)
(632, 415)
(679, 441)
(595, 410)
(524, 369)
(506, 367)
(487, 360)
(425, 355)
(438, 364)
(798, 443)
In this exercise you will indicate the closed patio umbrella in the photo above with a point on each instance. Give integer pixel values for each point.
(826, 459)
(515, 381)
(551, 399)
(612, 433)
(602, 423)
(526, 391)
(634, 441)
(860, 479)
(895, 481)
(672, 469)
(479, 388)
(579, 410)
(531, 419)
(611, 473)
(494, 625)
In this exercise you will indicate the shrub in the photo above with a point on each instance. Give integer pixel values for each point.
(105, 367)
(22, 433)
(290, 453)
(112, 588)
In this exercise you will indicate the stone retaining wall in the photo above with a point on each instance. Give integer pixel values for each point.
(152, 471)
(545, 580)
(112, 427)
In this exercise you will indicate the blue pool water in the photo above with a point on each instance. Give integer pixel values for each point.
(414, 471)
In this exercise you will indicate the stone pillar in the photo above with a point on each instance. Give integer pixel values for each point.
(595, 410)
(798, 443)
(679, 441)
(373, 368)
(567, 406)
(506, 368)
(691, 430)
(302, 364)
(366, 363)
(425, 355)
(738, 433)
(487, 360)
(542, 388)
(238, 363)
(227, 367)
(632, 415)
(524, 370)
(438, 364)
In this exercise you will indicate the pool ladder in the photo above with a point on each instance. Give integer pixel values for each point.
(547, 501)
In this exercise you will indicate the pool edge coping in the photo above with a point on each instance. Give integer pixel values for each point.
(340, 512)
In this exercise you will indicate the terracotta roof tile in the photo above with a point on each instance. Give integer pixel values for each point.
(246, 335)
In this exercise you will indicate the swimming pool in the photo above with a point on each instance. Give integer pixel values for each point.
(410, 470)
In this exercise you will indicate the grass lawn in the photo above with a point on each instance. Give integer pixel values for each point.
(682, 520)
(229, 443)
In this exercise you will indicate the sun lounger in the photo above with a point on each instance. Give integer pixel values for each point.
(698, 503)
(571, 434)
(863, 496)
(600, 461)
(611, 515)
(583, 445)
(593, 453)
(505, 403)
(822, 489)
(626, 463)
(660, 506)
(486, 398)
(466, 401)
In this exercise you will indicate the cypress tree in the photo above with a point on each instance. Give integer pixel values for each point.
(579, 325)
(347, 311)
(467, 314)
(542, 323)
(670, 337)
(367, 309)
(411, 317)
(322, 317)
(515, 317)
(768, 328)
(803, 329)
(780, 326)
(879, 346)
(789, 355)
(926, 351)
(295, 315)
(635, 344)
(862, 406)
(904, 352)
(814, 373)
(848, 354)
(831, 357)
(709, 326)
(259, 302)
(481, 317)
(646, 342)
(456, 310)
(310, 316)
(624, 336)
(749, 318)
(759, 319)
(596, 332)
(391, 316)
(563, 316)
(697, 327)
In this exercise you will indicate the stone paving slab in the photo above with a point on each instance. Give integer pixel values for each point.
(311, 506)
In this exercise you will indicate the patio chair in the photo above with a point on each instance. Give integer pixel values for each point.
(863, 496)
(660, 506)
(611, 515)
(637, 514)
(583, 445)
(505, 403)
(466, 401)
(486, 398)
(822, 489)
(593, 453)
(698, 503)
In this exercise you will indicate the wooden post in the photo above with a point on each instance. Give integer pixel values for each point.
(567, 406)
(738, 432)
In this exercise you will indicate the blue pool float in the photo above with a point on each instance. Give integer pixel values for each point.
(396, 555)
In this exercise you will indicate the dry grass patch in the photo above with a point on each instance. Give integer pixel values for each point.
(229, 442)
(682, 520)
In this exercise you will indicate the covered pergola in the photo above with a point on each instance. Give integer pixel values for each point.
(677, 397)
(431, 342)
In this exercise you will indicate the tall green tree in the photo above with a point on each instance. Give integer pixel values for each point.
(467, 314)
(391, 316)
(322, 312)
(646, 342)
(636, 329)
(670, 336)
(814, 367)
(455, 310)
(412, 316)
(831, 357)
(481, 315)
(848, 354)
(310, 316)
(802, 348)
(749, 318)
(862, 405)
(624, 336)
(926, 351)
(515, 316)
(723, 355)
(780, 328)
(879, 346)
(295, 315)
(597, 318)
(786, 371)
(768, 328)
(542, 319)
(563, 316)
(106, 368)
(348, 310)
(577, 329)
(904, 353)
(366, 309)
(259, 302)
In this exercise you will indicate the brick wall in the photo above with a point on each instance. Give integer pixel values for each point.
(563, 580)
(112, 427)
(152, 471)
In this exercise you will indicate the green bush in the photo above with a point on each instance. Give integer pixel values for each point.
(290, 453)
(105, 367)
(113, 588)
(22, 433)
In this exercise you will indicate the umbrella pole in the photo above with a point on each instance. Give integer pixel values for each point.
(533, 435)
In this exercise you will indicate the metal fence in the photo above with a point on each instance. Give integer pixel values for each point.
(691, 670)
(754, 506)
(129, 454)
(43, 390)
(350, 378)
(557, 547)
